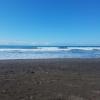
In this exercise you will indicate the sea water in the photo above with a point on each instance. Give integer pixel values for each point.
(42, 52)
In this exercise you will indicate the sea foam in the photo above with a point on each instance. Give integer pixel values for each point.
(37, 52)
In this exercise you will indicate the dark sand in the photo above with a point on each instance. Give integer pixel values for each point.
(50, 79)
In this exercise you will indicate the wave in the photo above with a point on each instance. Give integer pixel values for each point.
(52, 49)
(49, 52)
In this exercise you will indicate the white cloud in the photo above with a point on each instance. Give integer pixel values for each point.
(19, 42)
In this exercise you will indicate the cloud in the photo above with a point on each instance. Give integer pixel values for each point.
(13, 42)
(19, 42)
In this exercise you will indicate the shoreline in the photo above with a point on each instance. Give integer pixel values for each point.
(53, 59)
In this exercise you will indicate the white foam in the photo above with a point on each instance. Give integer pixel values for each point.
(83, 48)
(38, 49)
(49, 52)
(43, 49)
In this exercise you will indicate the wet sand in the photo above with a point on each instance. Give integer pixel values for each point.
(50, 79)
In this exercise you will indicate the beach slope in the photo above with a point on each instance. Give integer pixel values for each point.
(50, 79)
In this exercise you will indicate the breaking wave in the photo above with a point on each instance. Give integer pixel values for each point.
(33, 52)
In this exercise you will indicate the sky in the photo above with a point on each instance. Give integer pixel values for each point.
(49, 22)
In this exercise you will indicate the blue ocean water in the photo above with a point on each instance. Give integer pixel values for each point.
(39, 52)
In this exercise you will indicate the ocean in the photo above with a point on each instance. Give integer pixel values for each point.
(42, 52)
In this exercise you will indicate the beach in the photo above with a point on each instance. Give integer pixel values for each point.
(50, 79)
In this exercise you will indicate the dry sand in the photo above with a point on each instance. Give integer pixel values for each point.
(50, 79)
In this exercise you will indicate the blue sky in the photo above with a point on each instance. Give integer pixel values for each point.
(49, 21)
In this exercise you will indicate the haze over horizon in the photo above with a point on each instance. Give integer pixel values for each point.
(46, 22)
